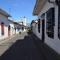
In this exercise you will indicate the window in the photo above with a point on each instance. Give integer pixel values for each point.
(2, 28)
(39, 25)
(59, 22)
(50, 23)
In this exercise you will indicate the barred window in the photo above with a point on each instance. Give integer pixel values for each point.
(50, 23)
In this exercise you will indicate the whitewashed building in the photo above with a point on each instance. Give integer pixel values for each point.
(11, 27)
(3, 24)
(8, 27)
(47, 27)
(17, 27)
(23, 22)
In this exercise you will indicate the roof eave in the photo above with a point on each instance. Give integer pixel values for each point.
(38, 6)
(4, 13)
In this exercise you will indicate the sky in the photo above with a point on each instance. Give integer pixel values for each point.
(19, 8)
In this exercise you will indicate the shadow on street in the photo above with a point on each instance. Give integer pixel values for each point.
(26, 49)
(22, 49)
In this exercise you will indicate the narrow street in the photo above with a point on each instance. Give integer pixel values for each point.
(23, 47)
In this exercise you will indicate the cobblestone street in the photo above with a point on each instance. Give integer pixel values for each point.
(23, 47)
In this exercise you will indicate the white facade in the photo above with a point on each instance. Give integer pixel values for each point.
(12, 27)
(7, 23)
(16, 27)
(7, 26)
(55, 42)
(23, 22)
(4, 19)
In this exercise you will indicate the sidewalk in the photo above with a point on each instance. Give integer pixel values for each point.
(7, 39)
(5, 44)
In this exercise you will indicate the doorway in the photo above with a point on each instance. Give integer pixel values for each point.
(43, 30)
(9, 30)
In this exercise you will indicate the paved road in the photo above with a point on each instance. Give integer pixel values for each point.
(24, 48)
(6, 45)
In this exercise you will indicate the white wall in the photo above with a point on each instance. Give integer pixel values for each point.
(5, 20)
(53, 43)
(12, 30)
(44, 9)
(37, 33)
